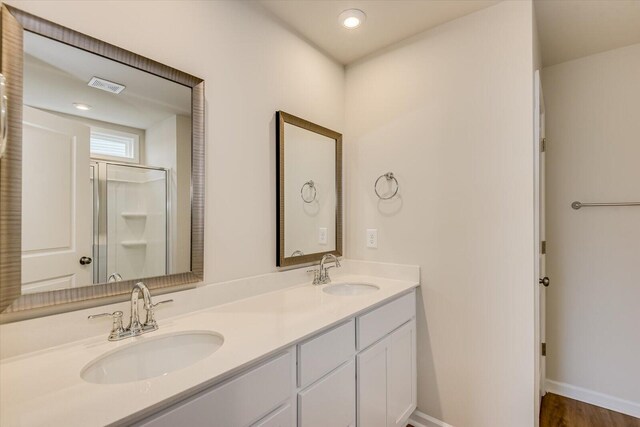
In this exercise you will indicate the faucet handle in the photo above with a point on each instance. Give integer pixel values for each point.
(316, 276)
(116, 327)
(161, 302)
(115, 314)
(151, 321)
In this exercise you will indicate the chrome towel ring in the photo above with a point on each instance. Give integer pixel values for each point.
(389, 176)
(297, 253)
(312, 186)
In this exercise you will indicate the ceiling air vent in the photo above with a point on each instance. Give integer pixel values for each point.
(106, 85)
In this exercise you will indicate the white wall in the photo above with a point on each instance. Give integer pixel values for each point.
(593, 303)
(252, 67)
(169, 146)
(450, 113)
(181, 241)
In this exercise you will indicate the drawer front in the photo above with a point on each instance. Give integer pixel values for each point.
(281, 417)
(376, 324)
(240, 402)
(324, 353)
(330, 401)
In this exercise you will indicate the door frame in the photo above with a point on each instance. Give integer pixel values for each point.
(539, 236)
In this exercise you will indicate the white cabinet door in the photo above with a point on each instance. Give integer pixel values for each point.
(56, 203)
(240, 402)
(372, 385)
(387, 379)
(330, 401)
(401, 375)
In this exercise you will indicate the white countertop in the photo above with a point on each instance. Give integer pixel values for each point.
(45, 387)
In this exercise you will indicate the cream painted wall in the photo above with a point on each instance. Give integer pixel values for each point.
(450, 113)
(252, 67)
(593, 129)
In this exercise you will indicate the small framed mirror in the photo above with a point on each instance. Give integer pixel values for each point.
(309, 164)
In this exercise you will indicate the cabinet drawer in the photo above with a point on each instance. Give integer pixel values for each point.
(376, 324)
(239, 402)
(281, 417)
(324, 353)
(330, 401)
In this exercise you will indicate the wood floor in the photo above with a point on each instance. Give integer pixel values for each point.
(559, 411)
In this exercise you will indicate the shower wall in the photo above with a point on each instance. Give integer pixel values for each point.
(136, 212)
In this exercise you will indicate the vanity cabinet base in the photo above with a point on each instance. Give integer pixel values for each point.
(320, 382)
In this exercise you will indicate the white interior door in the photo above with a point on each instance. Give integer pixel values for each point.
(56, 203)
(539, 194)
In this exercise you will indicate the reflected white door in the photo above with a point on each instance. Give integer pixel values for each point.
(56, 203)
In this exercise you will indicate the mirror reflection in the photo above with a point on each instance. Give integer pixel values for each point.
(106, 192)
(310, 192)
(309, 182)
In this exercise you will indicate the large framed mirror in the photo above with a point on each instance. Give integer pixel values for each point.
(309, 165)
(102, 179)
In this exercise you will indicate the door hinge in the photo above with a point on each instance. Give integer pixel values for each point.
(543, 145)
(543, 247)
(543, 350)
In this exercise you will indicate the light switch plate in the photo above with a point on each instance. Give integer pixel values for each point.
(372, 237)
(322, 236)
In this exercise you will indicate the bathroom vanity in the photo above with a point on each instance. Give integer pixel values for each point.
(300, 356)
(363, 369)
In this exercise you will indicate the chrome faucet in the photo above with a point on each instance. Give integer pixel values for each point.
(135, 328)
(321, 276)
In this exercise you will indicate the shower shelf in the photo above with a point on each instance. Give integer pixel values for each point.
(133, 243)
(133, 215)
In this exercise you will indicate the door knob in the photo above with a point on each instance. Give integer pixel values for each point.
(85, 260)
(544, 281)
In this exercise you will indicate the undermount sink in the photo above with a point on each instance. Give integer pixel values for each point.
(152, 357)
(347, 289)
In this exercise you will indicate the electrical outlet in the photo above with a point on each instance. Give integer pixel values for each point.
(322, 236)
(372, 237)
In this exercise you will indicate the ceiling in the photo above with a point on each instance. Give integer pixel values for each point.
(387, 22)
(567, 29)
(571, 29)
(56, 76)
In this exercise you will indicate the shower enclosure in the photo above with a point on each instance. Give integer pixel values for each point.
(130, 221)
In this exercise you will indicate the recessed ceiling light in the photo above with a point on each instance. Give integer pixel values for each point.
(83, 107)
(352, 18)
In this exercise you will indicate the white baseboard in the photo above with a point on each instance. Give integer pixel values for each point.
(594, 398)
(420, 419)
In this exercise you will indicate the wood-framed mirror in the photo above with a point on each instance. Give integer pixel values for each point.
(102, 179)
(309, 191)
